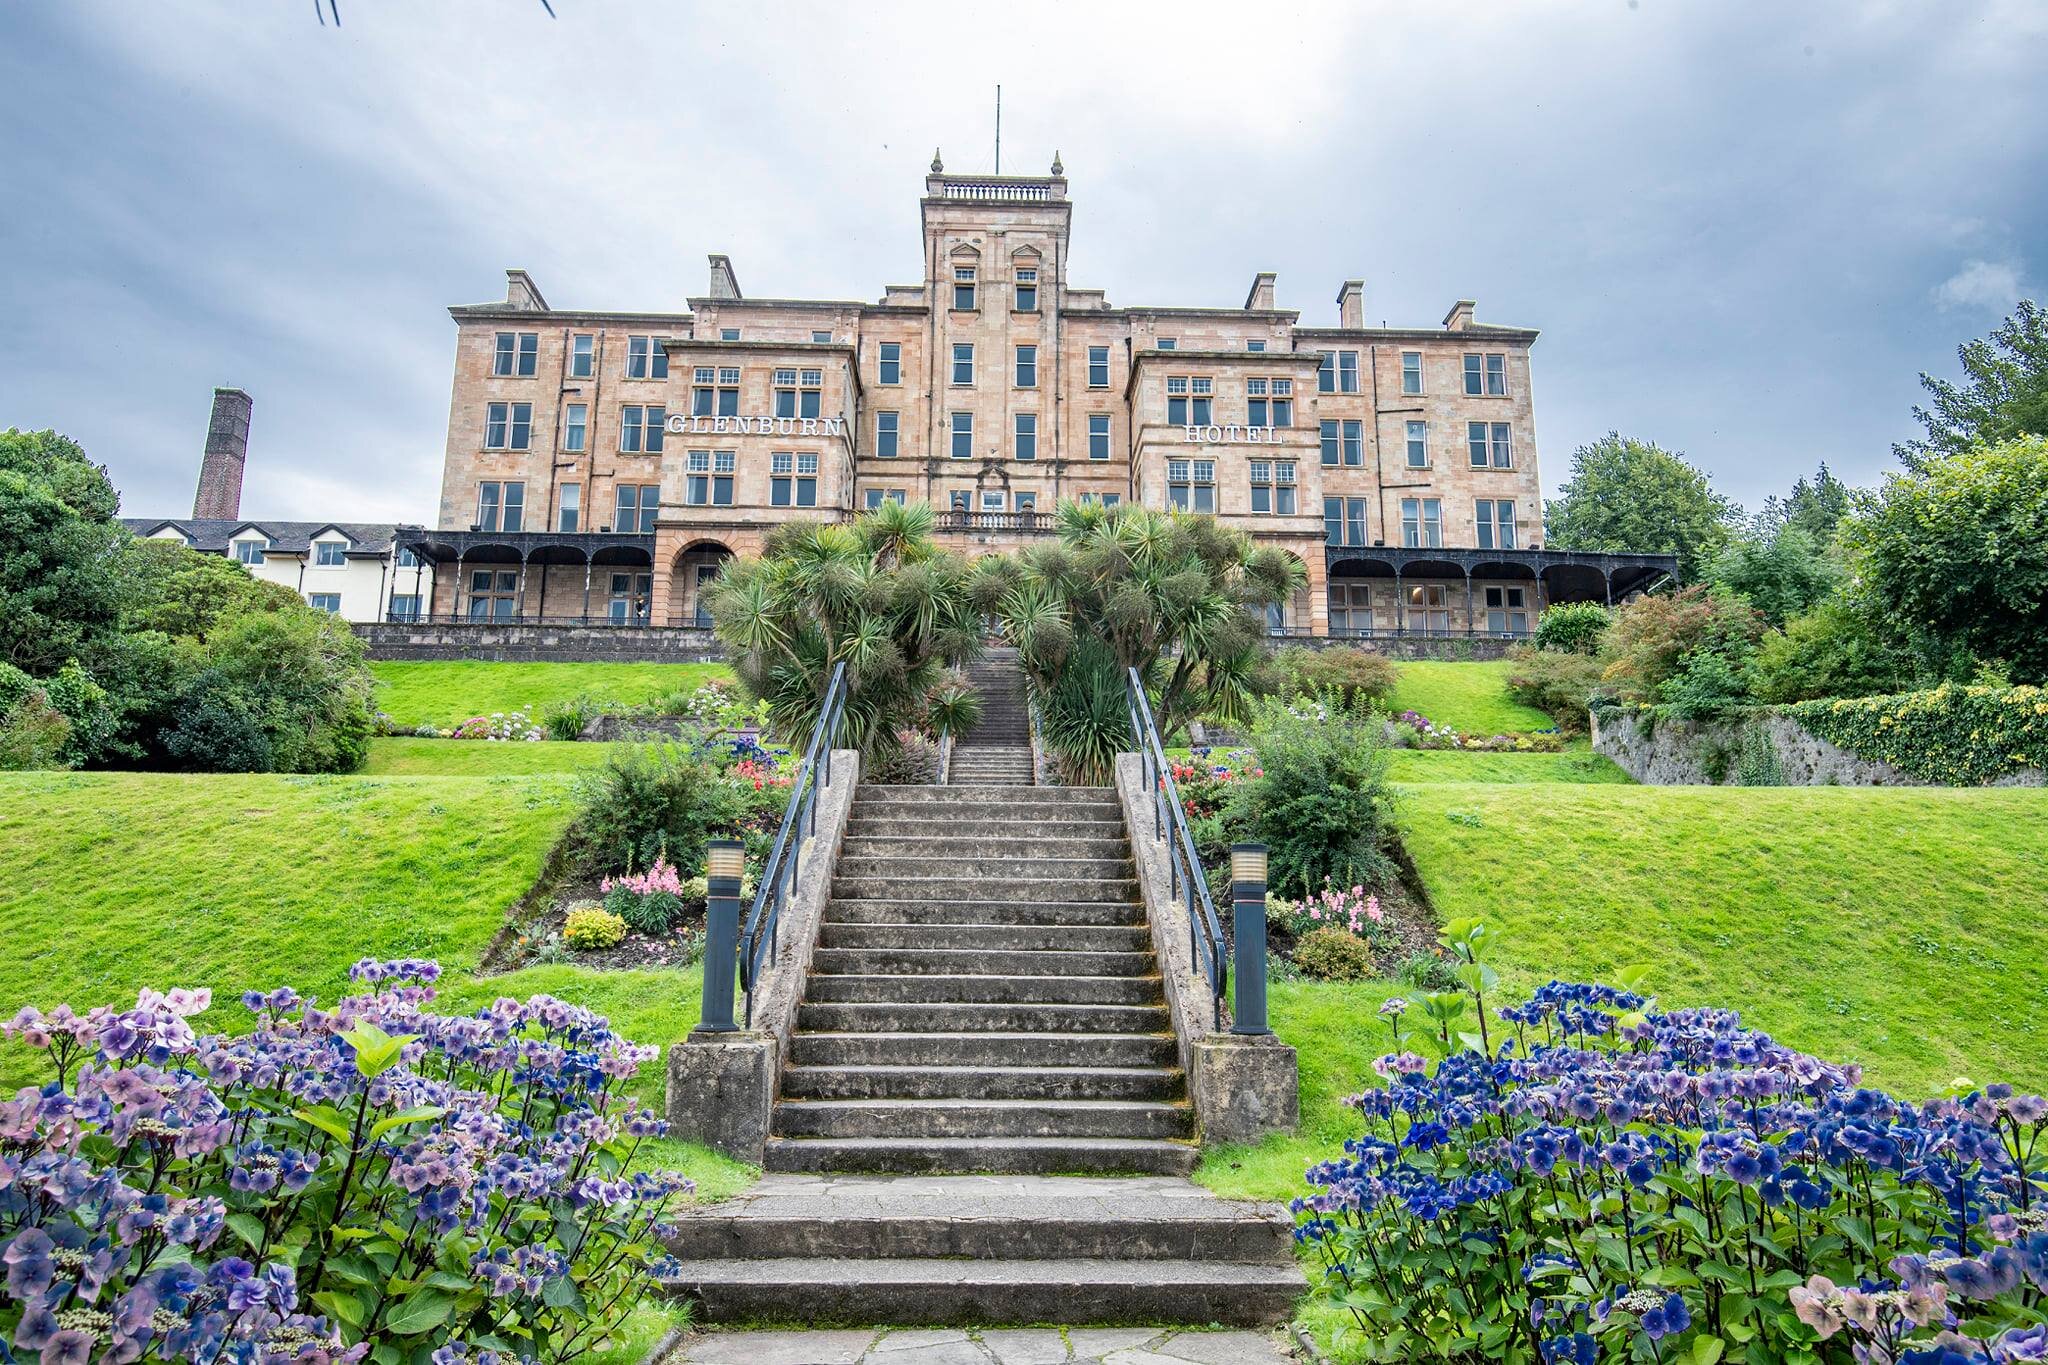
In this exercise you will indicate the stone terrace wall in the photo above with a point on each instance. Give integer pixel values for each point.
(538, 642)
(1454, 648)
(1681, 753)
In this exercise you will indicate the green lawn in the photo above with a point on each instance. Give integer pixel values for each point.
(1471, 698)
(447, 694)
(1455, 765)
(480, 758)
(113, 881)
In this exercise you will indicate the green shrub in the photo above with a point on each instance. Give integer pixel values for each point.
(1559, 683)
(1427, 971)
(1572, 627)
(1961, 736)
(1333, 955)
(651, 801)
(954, 707)
(1359, 678)
(33, 733)
(592, 927)
(1321, 804)
(1084, 718)
(219, 728)
(914, 762)
(653, 913)
(1839, 649)
(566, 720)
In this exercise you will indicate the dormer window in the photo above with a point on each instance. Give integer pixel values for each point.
(330, 554)
(963, 288)
(250, 551)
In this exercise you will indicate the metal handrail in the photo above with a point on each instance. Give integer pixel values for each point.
(799, 819)
(1170, 822)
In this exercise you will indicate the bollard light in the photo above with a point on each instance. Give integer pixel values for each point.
(1248, 931)
(725, 862)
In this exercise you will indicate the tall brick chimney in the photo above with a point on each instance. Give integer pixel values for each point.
(227, 451)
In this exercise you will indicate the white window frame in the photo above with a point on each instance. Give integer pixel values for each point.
(1100, 429)
(251, 551)
(964, 278)
(1027, 279)
(1024, 433)
(1417, 444)
(583, 355)
(515, 355)
(323, 549)
(645, 358)
(959, 360)
(329, 602)
(889, 423)
(1411, 371)
(884, 362)
(1093, 351)
(575, 426)
(569, 509)
(1027, 365)
(960, 428)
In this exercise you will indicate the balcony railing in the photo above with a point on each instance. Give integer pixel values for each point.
(699, 620)
(1419, 633)
(1027, 523)
(1000, 191)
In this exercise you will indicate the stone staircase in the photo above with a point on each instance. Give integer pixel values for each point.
(984, 1044)
(997, 750)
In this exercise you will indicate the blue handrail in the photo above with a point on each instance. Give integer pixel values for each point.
(799, 821)
(1170, 822)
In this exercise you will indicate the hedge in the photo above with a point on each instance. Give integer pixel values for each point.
(1960, 736)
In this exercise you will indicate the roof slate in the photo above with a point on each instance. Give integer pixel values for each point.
(213, 534)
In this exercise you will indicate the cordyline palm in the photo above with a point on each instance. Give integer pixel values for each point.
(1174, 595)
(876, 595)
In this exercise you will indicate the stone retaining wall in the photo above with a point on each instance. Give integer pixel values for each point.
(539, 642)
(1689, 753)
(1452, 648)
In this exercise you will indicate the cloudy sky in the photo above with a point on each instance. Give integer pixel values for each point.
(1742, 227)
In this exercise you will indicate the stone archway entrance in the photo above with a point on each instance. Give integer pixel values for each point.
(696, 566)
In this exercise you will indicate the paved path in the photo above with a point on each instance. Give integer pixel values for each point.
(995, 1346)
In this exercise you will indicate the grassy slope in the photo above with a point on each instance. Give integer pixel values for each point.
(112, 881)
(1468, 697)
(1455, 765)
(479, 758)
(449, 693)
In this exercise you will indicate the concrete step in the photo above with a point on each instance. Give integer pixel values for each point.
(1041, 1083)
(1042, 800)
(983, 1049)
(1036, 1218)
(878, 1017)
(902, 961)
(987, 938)
(1021, 841)
(983, 867)
(932, 989)
(882, 907)
(940, 823)
(950, 1117)
(1005, 1156)
(944, 892)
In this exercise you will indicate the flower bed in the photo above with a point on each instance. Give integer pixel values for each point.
(1612, 1182)
(1413, 730)
(370, 1176)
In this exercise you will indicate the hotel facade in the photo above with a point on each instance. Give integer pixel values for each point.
(602, 466)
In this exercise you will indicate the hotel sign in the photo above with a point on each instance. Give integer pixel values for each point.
(680, 425)
(1232, 435)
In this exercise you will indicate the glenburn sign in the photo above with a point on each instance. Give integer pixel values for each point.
(679, 425)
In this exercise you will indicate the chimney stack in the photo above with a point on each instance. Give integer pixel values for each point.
(1351, 305)
(522, 293)
(227, 451)
(1459, 319)
(1261, 297)
(724, 283)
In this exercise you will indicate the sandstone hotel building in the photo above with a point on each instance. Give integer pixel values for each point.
(601, 466)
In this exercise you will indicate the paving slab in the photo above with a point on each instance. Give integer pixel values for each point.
(1026, 1346)
(775, 1348)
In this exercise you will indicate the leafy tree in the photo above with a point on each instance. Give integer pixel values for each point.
(60, 585)
(1957, 553)
(1815, 506)
(1777, 568)
(1690, 652)
(274, 691)
(1178, 597)
(179, 591)
(2004, 393)
(1630, 496)
(877, 595)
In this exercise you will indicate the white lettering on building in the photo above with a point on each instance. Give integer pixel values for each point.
(1229, 435)
(680, 425)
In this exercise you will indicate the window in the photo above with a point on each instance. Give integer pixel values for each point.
(1273, 486)
(1429, 608)
(645, 359)
(640, 428)
(405, 606)
(1327, 429)
(493, 595)
(707, 480)
(1027, 435)
(1422, 523)
(1188, 400)
(798, 393)
(1411, 372)
(877, 496)
(716, 392)
(1326, 372)
(637, 505)
(1191, 484)
(329, 602)
(1496, 523)
(1490, 445)
(1027, 367)
(250, 551)
(991, 500)
(575, 425)
(1507, 611)
(500, 506)
(793, 480)
(630, 596)
(1098, 435)
(1418, 445)
(1167, 343)
(958, 500)
(1255, 345)
(1027, 289)
(1344, 521)
(582, 356)
(963, 288)
(728, 334)
(330, 554)
(1354, 443)
(963, 436)
(1026, 503)
(1486, 375)
(518, 354)
(889, 363)
(821, 338)
(1350, 608)
(1338, 372)
(407, 559)
(885, 434)
(508, 426)
(1269, 402)
(1101, 499)
(570, 516)
(1098, 367)
(963, 362)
